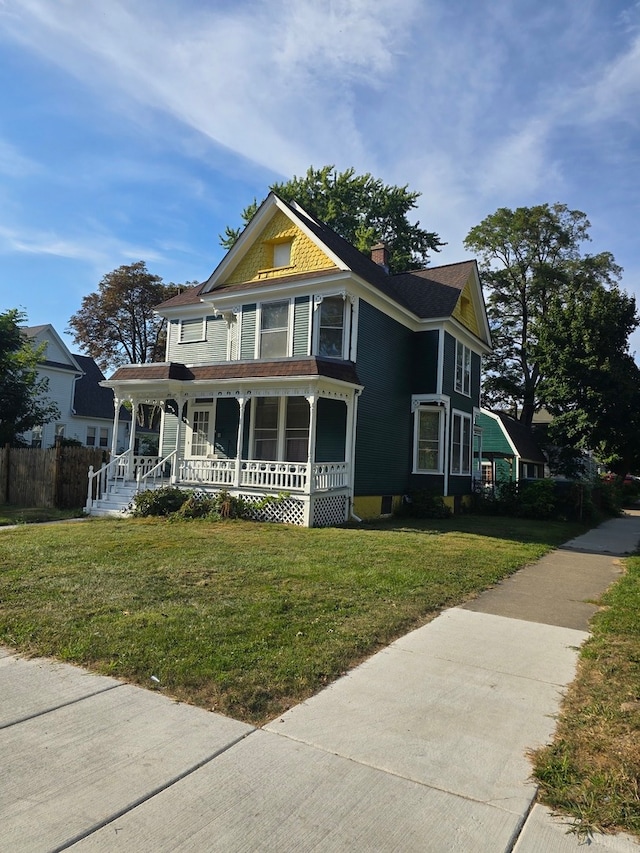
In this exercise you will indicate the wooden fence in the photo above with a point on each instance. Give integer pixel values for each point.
(57, 477)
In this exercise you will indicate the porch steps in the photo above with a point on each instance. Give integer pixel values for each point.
(118, 497)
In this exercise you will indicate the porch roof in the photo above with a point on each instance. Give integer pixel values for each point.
(343, 371)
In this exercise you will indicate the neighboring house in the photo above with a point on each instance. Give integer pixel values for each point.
(86, 408)
(509, 450)
(302, 367)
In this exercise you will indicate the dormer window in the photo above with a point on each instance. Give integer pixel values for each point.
(282, 254)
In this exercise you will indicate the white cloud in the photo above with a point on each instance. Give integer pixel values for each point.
(267, 80)
(96, 248)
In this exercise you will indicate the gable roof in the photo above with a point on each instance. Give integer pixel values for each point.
(47, 334)
(90, 399)
(431, 293)
(519, 436)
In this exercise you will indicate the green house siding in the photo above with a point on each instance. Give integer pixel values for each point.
(248, 332)
(227, 420)
(301, 320)
(493, 438)
(331, 430)
(425, 362)
(212, 350)
(384, 430)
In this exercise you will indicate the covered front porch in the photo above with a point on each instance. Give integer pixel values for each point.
(293, 441)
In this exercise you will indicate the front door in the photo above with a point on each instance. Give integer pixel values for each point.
(201, 438)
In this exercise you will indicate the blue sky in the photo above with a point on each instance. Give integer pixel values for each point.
(137, 129)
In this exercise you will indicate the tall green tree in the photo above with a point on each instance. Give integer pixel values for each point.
(362, 209)
(117, 324)
(592, 383)
(529, 257)
(23, 393)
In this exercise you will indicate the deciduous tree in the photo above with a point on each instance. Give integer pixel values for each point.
(117, 324)
(592, 383)
(528, 258)
(362, 209)
(23, 393)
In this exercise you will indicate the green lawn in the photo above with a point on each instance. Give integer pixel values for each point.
(243, 617)
(591, 771)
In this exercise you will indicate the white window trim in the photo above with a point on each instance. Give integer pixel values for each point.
(346, 320)
(203, 331)
(463, 416)
(466, 373)
(442, 403)
(430, 407)
(290, 321)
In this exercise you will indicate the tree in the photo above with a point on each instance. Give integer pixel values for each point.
(117, 325)
(528, 257)
(23, 401)
(592, 383)
(362, 209)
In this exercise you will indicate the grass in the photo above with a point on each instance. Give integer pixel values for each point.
(591, 771)
(10, 514)
(244, 618)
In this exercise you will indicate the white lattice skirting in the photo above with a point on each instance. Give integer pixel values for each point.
(324, 510)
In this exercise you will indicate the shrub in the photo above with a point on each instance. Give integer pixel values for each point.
(164, 501)
(536, 499)
(423, 504)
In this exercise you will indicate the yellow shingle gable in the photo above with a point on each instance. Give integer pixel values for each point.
(257, 264)
(465, 312)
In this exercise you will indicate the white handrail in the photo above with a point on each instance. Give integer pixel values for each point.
(140, 478)
(101, 476)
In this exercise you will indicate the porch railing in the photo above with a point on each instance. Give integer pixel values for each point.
(265, 474)
(111, 471)
(215, 472)
(330, 475)
(146, 474)
(274, 476)
(269, 476)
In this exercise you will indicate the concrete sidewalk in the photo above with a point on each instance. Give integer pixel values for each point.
(421, 748)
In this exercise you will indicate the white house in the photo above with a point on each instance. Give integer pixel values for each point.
(86, 408)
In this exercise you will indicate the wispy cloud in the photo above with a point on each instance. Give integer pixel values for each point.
(270, 81)
(96, 249)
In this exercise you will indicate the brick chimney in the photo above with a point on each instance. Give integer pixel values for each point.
(380, 255)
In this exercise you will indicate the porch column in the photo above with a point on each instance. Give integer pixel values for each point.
(175, 462)
(132, 436)
(242, 402)
(116, 424)
(312, 399)
(350, 445)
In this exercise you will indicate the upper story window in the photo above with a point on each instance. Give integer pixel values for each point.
(274, 329)
(282, 254)
(463, 369)
(192, 330)
(331, 327)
